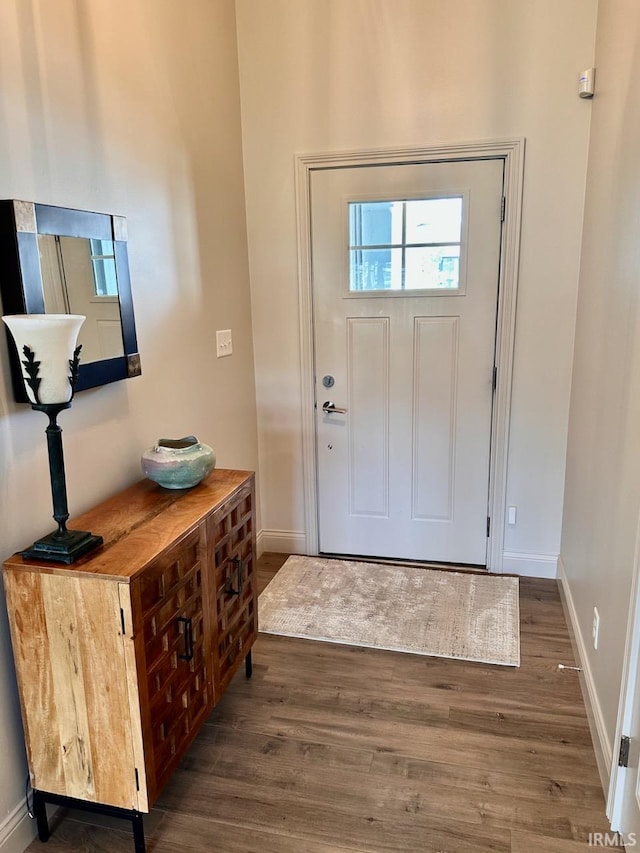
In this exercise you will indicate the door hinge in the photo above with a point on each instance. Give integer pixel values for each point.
(137, 780)
(122, 621)
(494, 383)
(503, 208)
(623, 758)
(488, 526)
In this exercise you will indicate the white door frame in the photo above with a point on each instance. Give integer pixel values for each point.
(512, 151)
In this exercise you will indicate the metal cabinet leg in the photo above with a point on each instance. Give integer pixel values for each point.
(138, 832)
(40, 798)
(248, 665)
(40, 811)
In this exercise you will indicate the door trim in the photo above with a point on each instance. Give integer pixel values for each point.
(512, 152)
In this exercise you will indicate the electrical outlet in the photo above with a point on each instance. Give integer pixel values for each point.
(596, 627)
(224, 345)
(511, 517)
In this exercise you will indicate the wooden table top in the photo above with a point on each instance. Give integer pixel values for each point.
(138, 524)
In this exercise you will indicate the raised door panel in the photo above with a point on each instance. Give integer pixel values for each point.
(232, 534)
(368, 394)
(70, 662)
(175, 680)
(435, 380)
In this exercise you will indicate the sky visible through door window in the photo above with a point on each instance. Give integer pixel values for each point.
(405, 244)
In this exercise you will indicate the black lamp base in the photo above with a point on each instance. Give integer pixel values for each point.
(63, 549)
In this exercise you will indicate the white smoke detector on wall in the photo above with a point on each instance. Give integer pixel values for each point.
(586, 83)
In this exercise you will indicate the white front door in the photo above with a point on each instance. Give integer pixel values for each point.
(405, 263)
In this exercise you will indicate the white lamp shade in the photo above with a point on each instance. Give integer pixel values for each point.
(52, 339)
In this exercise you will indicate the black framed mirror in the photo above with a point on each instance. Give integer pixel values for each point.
(62, 261)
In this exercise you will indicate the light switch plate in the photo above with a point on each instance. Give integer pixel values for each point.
(224, 345)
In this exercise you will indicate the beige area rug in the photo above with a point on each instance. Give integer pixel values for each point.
(422, 611)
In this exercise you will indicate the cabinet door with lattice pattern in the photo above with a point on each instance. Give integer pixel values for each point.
(176, 684)
(232, 537)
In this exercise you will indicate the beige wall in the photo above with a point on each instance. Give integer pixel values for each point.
(326, 76)
(129, 108)
(603, 465)
(134, 109)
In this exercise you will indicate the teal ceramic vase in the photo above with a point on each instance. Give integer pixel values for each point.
(178, 463)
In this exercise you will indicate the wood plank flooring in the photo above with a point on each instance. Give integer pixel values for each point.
(332, 748)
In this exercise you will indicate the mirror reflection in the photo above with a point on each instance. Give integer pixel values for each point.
(67, 261)
(79, 277)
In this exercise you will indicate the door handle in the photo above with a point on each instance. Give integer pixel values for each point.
(237, 562)
(330, 407)
(187, 630)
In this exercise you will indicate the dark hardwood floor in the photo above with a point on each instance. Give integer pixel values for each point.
(335, 748)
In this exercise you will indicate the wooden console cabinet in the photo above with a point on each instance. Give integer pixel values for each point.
(121, 656)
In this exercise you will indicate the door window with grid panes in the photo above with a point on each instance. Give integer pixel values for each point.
(407, 245)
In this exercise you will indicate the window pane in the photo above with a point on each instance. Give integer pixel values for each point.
(104, 272)
(436, 267)
(434, 220)
(104, 268)
(375, 269)
(101, 247)
(375, 223)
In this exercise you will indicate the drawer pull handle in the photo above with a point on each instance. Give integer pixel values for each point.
(188, 637)
(239, 566)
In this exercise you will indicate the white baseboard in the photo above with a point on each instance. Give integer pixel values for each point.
(601, 742)
(530, 565)
(17, 830)
(281, 542)
(514, 562)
